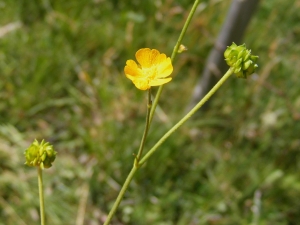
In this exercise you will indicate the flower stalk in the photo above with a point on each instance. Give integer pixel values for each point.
(140, 152)
(41, 195)
(187, 116)
(162, 140)
(174, 53)
(121, 195)
(40, 155)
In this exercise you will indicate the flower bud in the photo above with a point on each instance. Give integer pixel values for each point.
(182, 48)
(41, 155)
(241, 61)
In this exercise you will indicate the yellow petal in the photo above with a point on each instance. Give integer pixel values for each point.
(130, 77)
(131, 63)
(165, 68)
(132, 69)
(141, 84)
(159, 59)
(158, 82)
(146, 57)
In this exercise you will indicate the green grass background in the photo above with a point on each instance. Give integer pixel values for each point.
(61, 79)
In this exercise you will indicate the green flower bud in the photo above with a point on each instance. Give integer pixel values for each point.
(241, 61)
(42, 155)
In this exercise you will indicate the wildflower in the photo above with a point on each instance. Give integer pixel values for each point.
(41, 155)
(153, 69)
(239, 58)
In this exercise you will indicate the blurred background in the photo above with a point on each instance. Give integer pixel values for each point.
(61, 79)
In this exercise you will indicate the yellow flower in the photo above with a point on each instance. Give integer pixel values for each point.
(153, 69)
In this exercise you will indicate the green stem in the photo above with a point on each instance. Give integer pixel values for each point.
(41, 194)
(152, 150)
(174, 53)
(140, 152)
(135, 166)
(149, 118)
(187, 116)
(121, 195)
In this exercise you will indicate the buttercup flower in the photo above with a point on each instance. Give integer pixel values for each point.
(153, 69)
(241, 60)
(41, 155)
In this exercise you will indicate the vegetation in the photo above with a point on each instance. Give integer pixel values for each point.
(62, 80)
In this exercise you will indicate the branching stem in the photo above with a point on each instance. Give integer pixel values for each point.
(155, 147)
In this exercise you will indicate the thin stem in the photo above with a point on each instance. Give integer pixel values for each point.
(152, 150)
(140, 152)
(150, 111)
(41, 194)
(155, 103)
(187, 116)
(121, 194)
(135, 166)
(174, 53)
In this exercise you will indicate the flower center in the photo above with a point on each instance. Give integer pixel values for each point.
(150, 73)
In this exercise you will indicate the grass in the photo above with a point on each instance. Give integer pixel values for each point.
(62, 79)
